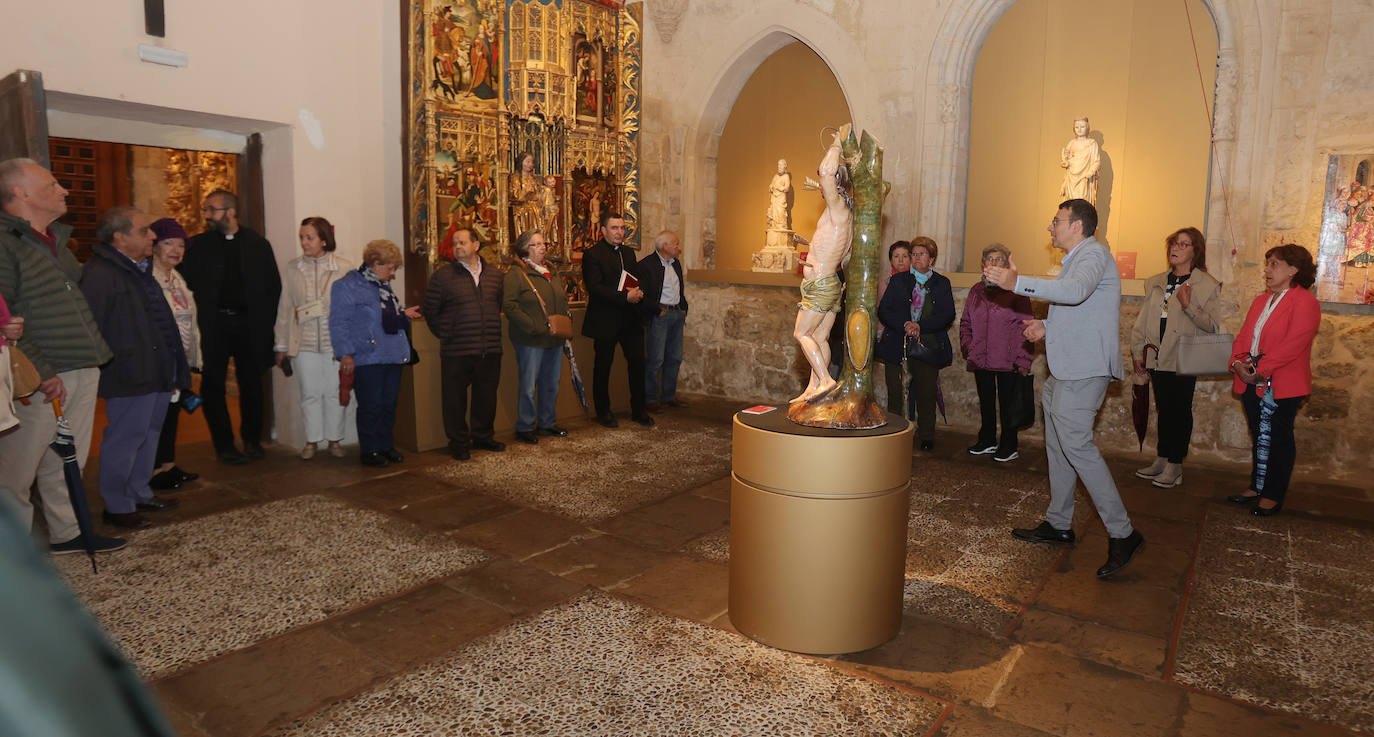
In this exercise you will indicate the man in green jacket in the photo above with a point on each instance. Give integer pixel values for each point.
(38, 278)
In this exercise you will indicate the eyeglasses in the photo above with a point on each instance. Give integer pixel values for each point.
(1057, 221)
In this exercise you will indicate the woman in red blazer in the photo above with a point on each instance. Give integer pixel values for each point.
(1272, 361)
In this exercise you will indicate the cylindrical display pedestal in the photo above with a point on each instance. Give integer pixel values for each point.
(818, 524)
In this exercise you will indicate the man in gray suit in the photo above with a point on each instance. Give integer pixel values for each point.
(1082, 343)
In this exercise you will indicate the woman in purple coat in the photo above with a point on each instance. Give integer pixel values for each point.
(996, 352)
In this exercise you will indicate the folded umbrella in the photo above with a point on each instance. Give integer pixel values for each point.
(578, 387)
(345, 386)
(1140, 401)
(64, 444)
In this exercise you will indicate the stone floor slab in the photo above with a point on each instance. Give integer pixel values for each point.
(687, 588)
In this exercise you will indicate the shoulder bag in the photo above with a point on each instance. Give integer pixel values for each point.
(560, 326)
(1205, 354)
(26, 378)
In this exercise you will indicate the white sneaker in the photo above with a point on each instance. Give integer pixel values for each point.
(1171, 476)
(308, 451)
(1154, 469)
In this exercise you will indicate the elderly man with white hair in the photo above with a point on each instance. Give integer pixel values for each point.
(665, 312)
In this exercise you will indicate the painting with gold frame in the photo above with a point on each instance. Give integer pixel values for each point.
(589, 61)
(465, 197)
(465, 53)
(1345, 250)
(592, 194)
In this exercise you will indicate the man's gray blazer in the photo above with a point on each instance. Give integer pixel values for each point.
(1082, 332)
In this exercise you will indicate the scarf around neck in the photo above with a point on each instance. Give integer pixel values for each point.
(391, 306)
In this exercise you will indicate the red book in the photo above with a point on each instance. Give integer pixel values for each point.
(758, 409)
(627, 281)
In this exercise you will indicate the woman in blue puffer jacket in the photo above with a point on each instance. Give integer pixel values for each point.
(367, 326)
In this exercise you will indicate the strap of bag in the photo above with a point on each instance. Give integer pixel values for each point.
(525, 273)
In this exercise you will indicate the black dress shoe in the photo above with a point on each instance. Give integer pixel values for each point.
(393, 455)
(644, 420)
(129, 521)
(1044, 533)
(254, 451)
(1259, 511)
(1120, 551)
(165, 481)
(927, 445)
(607, 420)
(1243, 498)
(488, 444)
(186, 476)
(376, 460)
(158, 504)
(552, 431)
(462, 454)
(232, 458)
(527, 436)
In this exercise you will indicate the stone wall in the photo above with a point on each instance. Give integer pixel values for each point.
(738, 344)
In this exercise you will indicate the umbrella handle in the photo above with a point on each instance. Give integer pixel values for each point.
(57, 408)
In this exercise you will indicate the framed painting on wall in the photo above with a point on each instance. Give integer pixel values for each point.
(465, 53)
(588, 63)
(592, 194)
(465, 197)
(1345, 248)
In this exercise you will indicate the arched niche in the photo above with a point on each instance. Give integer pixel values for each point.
(945, 135)
(1142, 72)
(780, 113)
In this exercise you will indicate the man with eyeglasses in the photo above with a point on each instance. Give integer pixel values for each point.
(232, 273)
(1083, 345)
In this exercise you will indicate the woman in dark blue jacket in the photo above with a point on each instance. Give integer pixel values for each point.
(367, 327)
(918, 307)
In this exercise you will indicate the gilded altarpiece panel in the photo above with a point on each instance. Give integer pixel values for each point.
(491, 79)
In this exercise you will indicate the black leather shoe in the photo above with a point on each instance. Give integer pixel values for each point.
(393, 455)
(462, 454)
(232, 458)
(1243, 498)
(527, 436)
(376, 460)
(158, 504)
(1043, 533)
(1259, 511)
(491, 445)
(927, 445)
(644, 420)
(553, 431)
(165, 481)
(186, 476)
(254, 451)
(607, 420)
(130, 521)
(1120, 551)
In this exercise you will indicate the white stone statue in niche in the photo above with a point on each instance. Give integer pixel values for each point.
(779, 254)
(1080, 159)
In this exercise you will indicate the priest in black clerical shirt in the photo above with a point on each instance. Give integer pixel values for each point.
(613, 297)
(233, 275)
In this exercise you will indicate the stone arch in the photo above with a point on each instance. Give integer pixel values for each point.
(704, 141)
(948, 97)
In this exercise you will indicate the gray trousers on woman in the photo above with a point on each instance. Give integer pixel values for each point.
(1070, 410)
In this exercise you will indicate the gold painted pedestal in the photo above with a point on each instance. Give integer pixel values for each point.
(818, 524)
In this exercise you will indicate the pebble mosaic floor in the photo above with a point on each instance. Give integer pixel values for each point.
(207, 586)
(592, 476)
(600, 665)
(1281, 614)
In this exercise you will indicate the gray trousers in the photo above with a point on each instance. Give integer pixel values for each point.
(1070, 410)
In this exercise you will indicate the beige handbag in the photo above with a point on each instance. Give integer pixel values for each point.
(560, 326)
(1205, 354)
(25, 376)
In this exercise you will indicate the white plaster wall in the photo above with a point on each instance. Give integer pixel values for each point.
(255, 66)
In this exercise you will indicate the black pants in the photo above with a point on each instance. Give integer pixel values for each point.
(1174, 408)
(236, 341)
(892, 374)
(921, 395)
(1283, 450)
(997, 396)
(631, 340)
(377, 387)
(167, 441)
(481, 374)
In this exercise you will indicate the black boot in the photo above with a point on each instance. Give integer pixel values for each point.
(1120, 551)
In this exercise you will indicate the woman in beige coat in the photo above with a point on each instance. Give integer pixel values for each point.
(1185, 300)
(302, 335)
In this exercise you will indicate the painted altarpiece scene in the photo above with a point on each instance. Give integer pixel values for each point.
(490, 80)
(1345, 252)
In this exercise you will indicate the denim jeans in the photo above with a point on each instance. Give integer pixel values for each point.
(664, 352)
(377, 388)
(540, 371)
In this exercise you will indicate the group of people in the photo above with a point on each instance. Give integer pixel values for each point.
(1271, 361)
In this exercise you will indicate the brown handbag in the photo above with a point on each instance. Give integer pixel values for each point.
(560, 326)
(26, 378)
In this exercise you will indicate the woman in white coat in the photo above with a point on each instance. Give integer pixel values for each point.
(302, 335)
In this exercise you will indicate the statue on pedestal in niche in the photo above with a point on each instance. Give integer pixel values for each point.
(779, 255)
(850, 226)
(524, 196)
(821, 286)
(779, 217)
(1080, 159)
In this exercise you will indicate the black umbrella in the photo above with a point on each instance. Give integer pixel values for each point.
(578, 387)
(65, 447)
(1140, 399)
